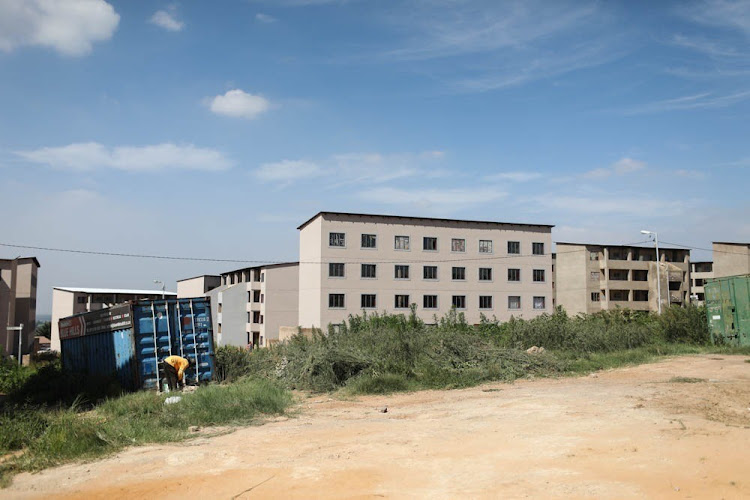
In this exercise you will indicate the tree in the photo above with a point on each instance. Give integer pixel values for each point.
(44, 330)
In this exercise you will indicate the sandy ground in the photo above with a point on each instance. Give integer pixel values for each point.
(628, 433)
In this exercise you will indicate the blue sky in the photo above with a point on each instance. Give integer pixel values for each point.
(213, 129)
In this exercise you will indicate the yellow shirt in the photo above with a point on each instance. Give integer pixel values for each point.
(179, 364)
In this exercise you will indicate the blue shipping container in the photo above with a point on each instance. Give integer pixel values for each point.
(127, 341)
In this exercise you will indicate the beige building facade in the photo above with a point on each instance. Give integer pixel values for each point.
(18, 287)
(252, 304)
(700, 272)
(731, 259)
(594, 277)
(355, 263)
(67, 301)
(197, 286)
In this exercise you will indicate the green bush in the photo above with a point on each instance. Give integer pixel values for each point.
(685, 324)
(232, 363)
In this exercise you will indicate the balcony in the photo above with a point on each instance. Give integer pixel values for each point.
(675, 297)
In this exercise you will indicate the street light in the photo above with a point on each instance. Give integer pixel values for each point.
(162, 287)
(658, 263)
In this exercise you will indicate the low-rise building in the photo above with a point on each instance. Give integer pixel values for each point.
(67, 301)
(731, 259)
(596, 277)
(197, 286)
(353, 263)
(253, 303)
(700, 272)
(18, 285)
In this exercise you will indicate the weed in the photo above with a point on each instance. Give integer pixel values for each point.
(686, 380)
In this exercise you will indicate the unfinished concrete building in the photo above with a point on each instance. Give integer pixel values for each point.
(595, 277)
(731, 259)
(700, 272)
(354, 263)
(198, 286)
(18, 285)
(253, 303)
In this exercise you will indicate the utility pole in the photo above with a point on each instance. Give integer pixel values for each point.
(658, 264)
(162, 287)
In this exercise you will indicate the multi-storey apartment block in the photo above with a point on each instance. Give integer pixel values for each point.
(731, 259)
(67, 301)
(197, 286)
(352, 263)
(593, 277)
(252, 303)
(18, 280)
(700, 272)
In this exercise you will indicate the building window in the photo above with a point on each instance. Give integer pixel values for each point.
(595, 297)
(262, 277)
(485, 274)
(369, 271)
(261, 319)
(618, 254)
(429, 272)
(336, 239)
(82, 299)
(618, 295)
(430, 301)
(640, 295)
(369, 301)
(256, 295)
(514, 247)
(537, 248)
(256, 316)
(249, 318)
(459, 273)
(336, 300)
(594, 276)
(640, 275)
(539, 303)
(618, 274)
(485, 246)
(514, 302)
(262, 298)
(402, 302)
(218, 307)
(219, 327)
(593, 255)
(401, 272)
(335, 270)
(401, 243)
(369, 241)
(514, 275)
(458, 245)
(459, 301)
(429, 243)
(539, 275)
(485, 302)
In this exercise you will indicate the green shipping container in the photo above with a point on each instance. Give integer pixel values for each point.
(728, 309)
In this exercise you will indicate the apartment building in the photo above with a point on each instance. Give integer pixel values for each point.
(700, 272)
(351, 263)
(18, 285)
(197, 286)
(67, 301)
(731, 259)
(595, 277)
(253, 303)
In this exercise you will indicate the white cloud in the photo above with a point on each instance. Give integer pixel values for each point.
(167, 19)
(620, 205)
(265, 18)
(734, 14)
(239, 104)
(623, 166)
(68, 26)
(514, 176)
(354, 168)
(288, 171)
(705, 100)
(443, 200)
(89, 156)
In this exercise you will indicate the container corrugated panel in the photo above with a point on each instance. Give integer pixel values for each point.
(182, 327)
(158, 329)
(728, 309)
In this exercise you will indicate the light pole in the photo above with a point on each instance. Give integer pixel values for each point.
(655, 236)
(162, 287)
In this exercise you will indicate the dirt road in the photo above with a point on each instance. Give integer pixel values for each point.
(628, 433)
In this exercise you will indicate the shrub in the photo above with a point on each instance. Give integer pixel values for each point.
(232, 362)
(685, 324)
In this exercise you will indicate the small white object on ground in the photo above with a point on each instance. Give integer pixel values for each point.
(172, 400)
